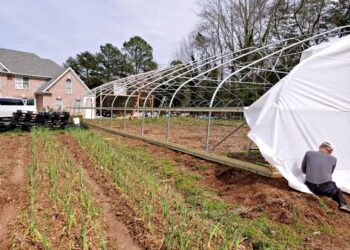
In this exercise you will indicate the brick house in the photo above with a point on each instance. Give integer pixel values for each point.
(26, 75)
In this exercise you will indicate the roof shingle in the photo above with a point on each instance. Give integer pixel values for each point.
(28, 63)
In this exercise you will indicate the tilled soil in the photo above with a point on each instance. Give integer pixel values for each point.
(125, 228)
(258, 195)
(191, 136)
(117, 233)
(255, 194)
(15, 157)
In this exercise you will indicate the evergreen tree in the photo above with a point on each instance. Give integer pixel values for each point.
(139, 54)
(340, 13)
(72, 63)
(112, 63)
(89, 69)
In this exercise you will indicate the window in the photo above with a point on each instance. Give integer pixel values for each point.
(59, 104)
(11, 102)
(19, 82)
(22, 82)
(30, 102)
(77, 103)
(26, 82)
(69, 89)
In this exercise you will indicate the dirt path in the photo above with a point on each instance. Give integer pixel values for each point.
(123, 225)
(118, 233)
(16, 150)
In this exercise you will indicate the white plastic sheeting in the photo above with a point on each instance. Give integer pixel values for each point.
(317, 48)
(307, 107)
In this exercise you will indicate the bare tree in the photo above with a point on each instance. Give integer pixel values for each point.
(309, 16)
(231, 25)
(185, 52)
(238, 23)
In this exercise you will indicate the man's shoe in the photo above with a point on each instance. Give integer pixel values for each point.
(344, 208)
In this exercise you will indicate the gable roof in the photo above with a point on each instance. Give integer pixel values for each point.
(57, 75)
(29, 64)
(25, 63)
(46, 86)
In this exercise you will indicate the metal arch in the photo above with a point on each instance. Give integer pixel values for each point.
(108, 88)
(259, 60)
(218, 66)
(139, 88)
(95, 90)
(185, 66)
(197, 86)
(154, 81)
(129, 87)
(203, 73)
(171, 70)
(165, 83)
(100, 90)
(231, 60)
(268, 56)
(211, 60)
(206, 62)
(270, 62)
(125, 78)
(111, 85)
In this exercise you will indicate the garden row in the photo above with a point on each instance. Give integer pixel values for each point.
(89, 191)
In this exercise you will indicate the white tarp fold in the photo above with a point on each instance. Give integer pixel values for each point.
(307, 107)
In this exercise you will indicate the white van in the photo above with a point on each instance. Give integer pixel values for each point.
(8, 105)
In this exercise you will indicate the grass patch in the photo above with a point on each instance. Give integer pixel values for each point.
(13, 132)
(202, 167)
(321, 202)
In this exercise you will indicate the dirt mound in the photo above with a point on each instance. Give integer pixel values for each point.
(280, 203)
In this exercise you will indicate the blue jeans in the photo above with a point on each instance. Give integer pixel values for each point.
(329, 189)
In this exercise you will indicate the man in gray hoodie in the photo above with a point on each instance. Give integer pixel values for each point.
(319, 167)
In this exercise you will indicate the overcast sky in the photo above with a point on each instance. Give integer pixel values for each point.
(57, 29)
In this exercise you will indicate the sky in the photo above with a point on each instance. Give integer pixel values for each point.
(57, 29)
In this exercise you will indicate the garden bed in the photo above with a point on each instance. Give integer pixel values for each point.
(86, 189)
